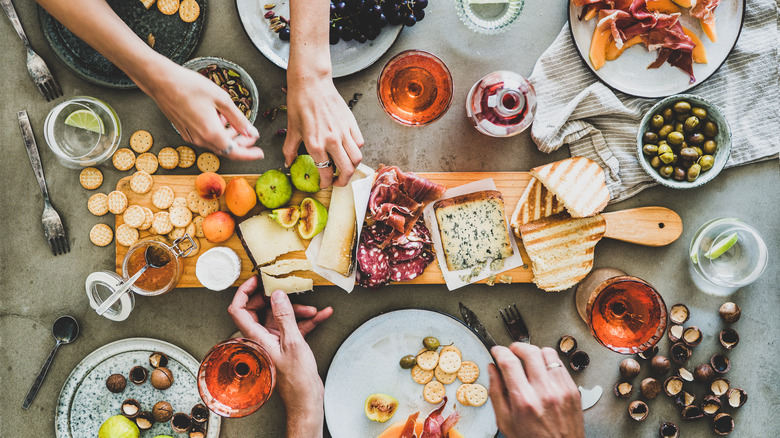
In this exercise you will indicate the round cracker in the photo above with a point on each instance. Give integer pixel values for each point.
(468, 372)
(162, 198)
(161, 224)
(420, 375)
(186, 156)
(168, 158)
(176, 233)
(134, 216)
(180, 216)
(148, 219)
(168, 7)
(197, 221)
(141, 182)
(460, 394)
(126, 236)
(476, 394)
(101, 235)
(123, 159)
(434, 391)
(179, 201)
(98, 204)
(449, 361)
(117, 202)
(208, 206)
(91, 178)
(141, 141)
(208, 162)
(193, 200)
(428, 360)
(146, 162)
(444, 377)
(190, 230)
(450, 348)
(189, 11)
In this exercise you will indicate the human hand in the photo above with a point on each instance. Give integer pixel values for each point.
(297, 380)
(318, 116)
(534, 398)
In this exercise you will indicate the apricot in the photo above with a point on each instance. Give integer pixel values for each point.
(218, 226)
(210, 185)
(240, 197)
(699, 52)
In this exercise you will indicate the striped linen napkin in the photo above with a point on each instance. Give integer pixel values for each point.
(574, 108)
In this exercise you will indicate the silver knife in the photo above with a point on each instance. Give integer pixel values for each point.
(471, 320)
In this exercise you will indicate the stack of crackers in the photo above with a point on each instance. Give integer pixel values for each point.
(189, 10)
(436, 369)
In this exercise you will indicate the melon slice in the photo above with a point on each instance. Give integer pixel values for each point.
(395, 429)
(709, 29)
(699, 52)
(665, 6)
(598, 47)
(614, 53)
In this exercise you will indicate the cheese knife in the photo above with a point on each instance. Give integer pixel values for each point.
(471, 320)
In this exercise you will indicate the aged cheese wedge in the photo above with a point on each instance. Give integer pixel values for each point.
(535, 203)
(283, 267)
(578, 182)
(264, 240)
(338, 238)
(290, 285)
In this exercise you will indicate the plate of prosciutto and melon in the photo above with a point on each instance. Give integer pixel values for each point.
(655, 48)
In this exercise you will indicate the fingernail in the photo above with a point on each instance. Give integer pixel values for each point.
(278, 297)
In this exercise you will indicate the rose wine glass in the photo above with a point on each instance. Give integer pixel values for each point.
(415, 88)
(236, 378)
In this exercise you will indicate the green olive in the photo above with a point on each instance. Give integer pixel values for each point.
(679, 118)
(664, 149)
(696, 139)
(691, 123)
(650, 137)
(665, 130)
(657, 121)
(706, 162)
(650, 149)
(701, 113)
(666, 171)
(662, 143)
(693, 172)
(679, 126)
(668, 114)
(682, 107)
(408, 361)
(699, 152)
(679, 174)
(431, 343)
(688, 154)
(710, 130)
(684, 144)
(655, 162)
(710, 147)
(675, 138)
(667, 157)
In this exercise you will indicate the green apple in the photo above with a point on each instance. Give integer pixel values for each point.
(273, 189)
(305, 175)
(314, 216)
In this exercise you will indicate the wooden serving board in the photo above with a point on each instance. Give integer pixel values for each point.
(510, 184)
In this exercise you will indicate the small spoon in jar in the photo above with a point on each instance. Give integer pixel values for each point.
(155, 258)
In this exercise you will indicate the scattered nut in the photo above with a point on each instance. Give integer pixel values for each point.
(719, 386)
(684, 399)
(116, 383)
(660, 366)
(692, 412)
(730, 312)
(144, 420)
(162, 378)
(675, 332)
(679, 313)
(199, 413)
(680, 353)
(685, 374)
(669, 430)
(650, 387)
(624, 389)
(158, 359)
(723, 424)
(638, 410)
(567, 344)
(197, 431)
(629, 368)
(138, 375)
(673, 386)
(649, 353)
(130, 408)
(711, 405)
(729, 338)
(162, 412)
(181, 422)
(692, 336)
(579, 360)
(720, 363)
(703, 373)
(736, 397)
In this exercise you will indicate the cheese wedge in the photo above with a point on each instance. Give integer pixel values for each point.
(283, 267)
(290, 285)
(264, 239)
(578, 182)
(339, 236)
(535, 203)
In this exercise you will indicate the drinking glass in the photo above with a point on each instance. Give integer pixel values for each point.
(489, 17)
(236, 378)
(415, 88)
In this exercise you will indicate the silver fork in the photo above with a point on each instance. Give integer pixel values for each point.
(52, 224)
(514, 324)
(35, 65)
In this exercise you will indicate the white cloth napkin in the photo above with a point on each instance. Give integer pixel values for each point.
(574, 108)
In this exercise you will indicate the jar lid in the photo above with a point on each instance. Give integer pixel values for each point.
(101, 285)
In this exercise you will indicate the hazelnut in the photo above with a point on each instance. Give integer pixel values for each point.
(197, 431)
(719, 386)
(675, 332)
(692, 412)
(720, 363)
(711, 405)
(130, 408)
(199, 413)
(669, 430)
(685, 374)
(736, 397)
(729, 338)
(723, 424)
(680, 353)
(116, 383)
(703, 373)
(579, 360)
(162, 412)
(692, 336)
(650, 387)
(624, 389)
(638, 410)
(679, 313)
(649, 353)
(684, 399)
(629, 368)
(144, 420)
(660, 366)
(138, 375)
(181, 422)
(162, 378)
(673, 386)
(730, 312)
(158, 359)
(567, 344)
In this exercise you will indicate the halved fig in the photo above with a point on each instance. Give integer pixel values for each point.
(287, 216)
(314, 216)
(380, 407)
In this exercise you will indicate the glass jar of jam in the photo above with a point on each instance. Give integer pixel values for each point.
(166, 261)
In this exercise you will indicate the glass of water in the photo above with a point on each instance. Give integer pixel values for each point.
(727, 254)
(82, 131)
(488, 16)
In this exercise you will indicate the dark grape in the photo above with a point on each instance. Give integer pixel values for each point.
(419, 14)
(410, 20)
(284, 34)
(361, 38)
(341, 7)
(420, 4)
(363, 20)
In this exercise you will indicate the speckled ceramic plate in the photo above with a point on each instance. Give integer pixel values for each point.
(629, 73)
(347, 57)
(85, 403)
(173, 37)
(367, 363)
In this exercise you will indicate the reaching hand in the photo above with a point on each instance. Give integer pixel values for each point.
(534, 398)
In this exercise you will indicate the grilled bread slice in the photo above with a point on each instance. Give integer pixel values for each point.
(561, 249)
(578, 182)
(535, 203)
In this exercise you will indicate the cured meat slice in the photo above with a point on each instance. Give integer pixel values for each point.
(399, 253)
(704, 10)
(375, 234)
(408, 270)
(373, 265)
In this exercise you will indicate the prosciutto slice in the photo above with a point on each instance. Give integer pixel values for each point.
(704, 10)
(436, 426)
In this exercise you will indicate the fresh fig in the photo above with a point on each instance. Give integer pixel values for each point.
(380, 407)
(287, 216)
(273, 189)
(314, 216)
(305, 175)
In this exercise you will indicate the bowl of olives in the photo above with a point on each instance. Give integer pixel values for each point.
(683, 141)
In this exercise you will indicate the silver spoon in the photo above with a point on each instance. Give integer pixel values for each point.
(65, 330)
(155, 258)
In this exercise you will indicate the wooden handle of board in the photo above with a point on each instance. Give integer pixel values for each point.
(650, 226)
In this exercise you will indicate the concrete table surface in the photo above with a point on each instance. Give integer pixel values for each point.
(36, 288)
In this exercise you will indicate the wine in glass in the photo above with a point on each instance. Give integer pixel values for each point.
(415, 88)
(236, 378)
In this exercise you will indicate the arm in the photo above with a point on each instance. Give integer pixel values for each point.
(198, 108)
(317, 114)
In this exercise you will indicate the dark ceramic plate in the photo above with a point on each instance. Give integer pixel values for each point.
(174, 39)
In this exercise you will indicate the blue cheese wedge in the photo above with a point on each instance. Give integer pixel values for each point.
(473, 229)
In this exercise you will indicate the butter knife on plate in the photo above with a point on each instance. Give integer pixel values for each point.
(473, 322)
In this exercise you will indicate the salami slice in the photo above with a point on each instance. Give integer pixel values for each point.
(408, 252)
(374, 264)
(408, 270)
(375, 234)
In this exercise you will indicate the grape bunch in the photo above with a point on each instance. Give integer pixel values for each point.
(363, 20)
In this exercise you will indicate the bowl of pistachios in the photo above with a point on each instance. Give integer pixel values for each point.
(233, 79)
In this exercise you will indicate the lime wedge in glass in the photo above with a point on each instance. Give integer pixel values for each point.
(719, 248)
(85, 119)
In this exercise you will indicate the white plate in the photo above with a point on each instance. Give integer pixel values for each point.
(630, 74)
(85, 403)
(346, 57)
(367, 363)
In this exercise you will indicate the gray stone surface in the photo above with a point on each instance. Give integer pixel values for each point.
(35, 287)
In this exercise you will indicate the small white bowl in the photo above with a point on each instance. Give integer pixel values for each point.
(198, 63)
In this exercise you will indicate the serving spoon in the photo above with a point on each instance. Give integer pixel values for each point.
(65, 330)
(155, 258)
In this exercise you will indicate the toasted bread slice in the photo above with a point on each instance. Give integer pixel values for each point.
(535, 203)
(561, 249)
(578, 182)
